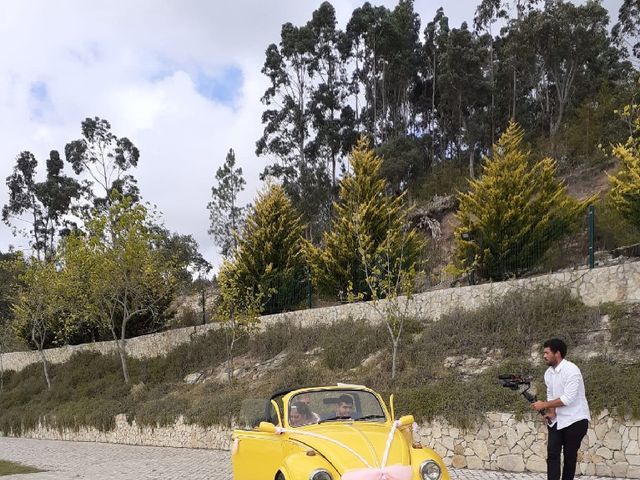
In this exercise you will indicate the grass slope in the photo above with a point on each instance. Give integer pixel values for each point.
(89, 390)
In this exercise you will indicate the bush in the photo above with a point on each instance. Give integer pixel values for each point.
(511, 324)
(612, 386)
(347, 343)
(624, 325)
(88, 390)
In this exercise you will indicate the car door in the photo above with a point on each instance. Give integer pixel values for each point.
(256, 455)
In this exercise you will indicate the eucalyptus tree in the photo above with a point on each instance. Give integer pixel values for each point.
(366, 32)
(104, 158)
(402, 55)
(435, 34)
(41, 206)
(575, 49)
(288, 132)
(463, 101)
(331, 118)
(627, 30)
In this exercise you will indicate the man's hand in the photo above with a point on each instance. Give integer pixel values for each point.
(550, 415)
(539, 405)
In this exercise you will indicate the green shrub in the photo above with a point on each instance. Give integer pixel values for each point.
(88, 390)
(612, 386)
(510, 324)
(346, 343)
(281, 336)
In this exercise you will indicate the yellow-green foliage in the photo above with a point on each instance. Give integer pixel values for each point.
(87, 390)
(39, 303)
(269, 257)
(625, 184)
(512, 215)
(367, 224)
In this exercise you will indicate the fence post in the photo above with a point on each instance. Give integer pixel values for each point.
(309, 289)
(592, 234)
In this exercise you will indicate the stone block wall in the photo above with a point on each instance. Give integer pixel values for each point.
(619, 283)
(179, 435)
(145, 346)
(499, 442)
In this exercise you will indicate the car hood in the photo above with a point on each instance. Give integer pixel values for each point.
(365, 438)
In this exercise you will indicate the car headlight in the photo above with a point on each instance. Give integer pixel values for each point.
(430, 470)
(320, 475)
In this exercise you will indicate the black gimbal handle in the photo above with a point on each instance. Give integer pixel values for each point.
(513, 382)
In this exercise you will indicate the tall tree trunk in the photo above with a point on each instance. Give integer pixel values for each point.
(513, 106)
(231, 340)
(45, 367)
(204, 303)
(40, 345)
(471, 169)
(122, 352)
(1, 371)
(433, 102)
(394, 357)
(493, 91)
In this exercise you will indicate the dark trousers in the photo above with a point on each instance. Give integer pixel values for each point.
(568, 441)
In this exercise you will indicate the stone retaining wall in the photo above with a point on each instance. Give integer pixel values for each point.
(144, 346)
(619, 283)
(499, 442)
(180, 435)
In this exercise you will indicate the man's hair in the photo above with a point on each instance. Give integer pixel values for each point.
(345, 399)
(303, 409)
(556, 345)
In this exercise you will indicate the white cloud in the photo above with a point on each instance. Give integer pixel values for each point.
(134, 64)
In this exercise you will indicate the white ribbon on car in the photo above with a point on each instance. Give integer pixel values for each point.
(324, 437)
(394, 472)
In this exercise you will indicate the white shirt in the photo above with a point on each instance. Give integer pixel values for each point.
(565, 382)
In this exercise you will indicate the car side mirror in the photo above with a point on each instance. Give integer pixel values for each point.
(405, 420)
(267, 427)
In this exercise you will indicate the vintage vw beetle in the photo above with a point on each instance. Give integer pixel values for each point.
(331, 433)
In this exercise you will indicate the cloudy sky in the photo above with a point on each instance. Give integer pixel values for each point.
(180, 78)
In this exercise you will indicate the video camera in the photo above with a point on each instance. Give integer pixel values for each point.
(520, 383)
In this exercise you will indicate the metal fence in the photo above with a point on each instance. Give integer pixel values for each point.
(599, 238)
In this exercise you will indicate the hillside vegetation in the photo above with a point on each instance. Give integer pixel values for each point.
(400, 154)
(447, 368)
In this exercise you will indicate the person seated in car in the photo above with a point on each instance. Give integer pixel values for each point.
(305, 399)
(295, 417)
(344, 407)
(300, 414)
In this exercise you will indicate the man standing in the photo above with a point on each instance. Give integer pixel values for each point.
(567, 410)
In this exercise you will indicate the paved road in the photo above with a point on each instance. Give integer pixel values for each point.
(102, 461)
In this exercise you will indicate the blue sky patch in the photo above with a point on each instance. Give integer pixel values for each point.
(39, 99)
(223, 87)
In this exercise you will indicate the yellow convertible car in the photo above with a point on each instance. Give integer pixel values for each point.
(331, 433)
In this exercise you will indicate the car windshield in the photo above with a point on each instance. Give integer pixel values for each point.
(307, 408)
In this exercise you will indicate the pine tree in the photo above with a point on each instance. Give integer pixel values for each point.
(625, 184)
(369, 227)
(224, 213)
(514, 213)
(269, 258)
